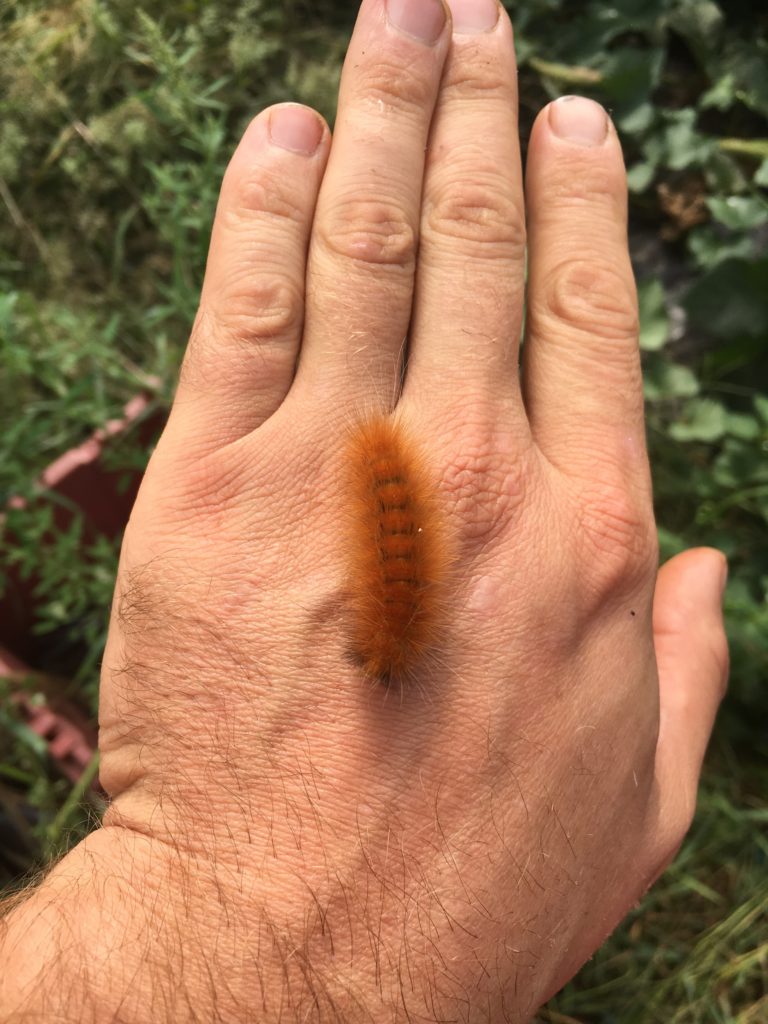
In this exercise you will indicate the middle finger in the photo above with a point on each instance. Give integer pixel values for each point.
(362, 254)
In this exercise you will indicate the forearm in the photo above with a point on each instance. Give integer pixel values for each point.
(86, 943)
(124, 930)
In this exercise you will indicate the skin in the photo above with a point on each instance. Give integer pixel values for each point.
(287, 840)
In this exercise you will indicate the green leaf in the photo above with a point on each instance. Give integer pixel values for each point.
(731, 299)
(708, 246)
(742, 425)
(629, 75)
(654, 322)
(700, 22)
(703, 419)
(747, 60)
(721, 95)
(761, 406)
(640, 176)
(682, 144)
(664, 380)
(761, 174)
(670, 544)
(636, 119)
(739, 212)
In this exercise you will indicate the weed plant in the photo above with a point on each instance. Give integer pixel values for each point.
(116, 122)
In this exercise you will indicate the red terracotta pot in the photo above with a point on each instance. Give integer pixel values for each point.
(81, 481)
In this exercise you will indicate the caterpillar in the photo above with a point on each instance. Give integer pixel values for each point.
(398, 554)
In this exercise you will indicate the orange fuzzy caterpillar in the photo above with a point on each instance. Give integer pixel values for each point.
(398, 552)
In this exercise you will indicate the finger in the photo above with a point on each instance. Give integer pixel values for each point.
(469, 289)
(242, 352)
(582, 381)
(692, 659)
(364, 240)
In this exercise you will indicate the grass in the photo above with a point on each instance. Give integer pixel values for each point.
(116, 122)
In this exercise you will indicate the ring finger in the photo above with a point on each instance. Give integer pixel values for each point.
(469, 289)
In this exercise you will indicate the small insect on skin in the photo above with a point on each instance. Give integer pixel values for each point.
(397, 555)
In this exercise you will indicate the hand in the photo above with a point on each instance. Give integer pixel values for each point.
(289, 840)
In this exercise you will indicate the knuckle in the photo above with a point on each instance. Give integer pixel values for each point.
(485, 488)
(369, 231)
(394, 88)
(479, 213)
(255, 309)
(598, 190)
(473, 81)
(477, 77)
(590, 296)
(256, 191)
(617, 542)
(192, 490)
(209, 487)
(248, 332)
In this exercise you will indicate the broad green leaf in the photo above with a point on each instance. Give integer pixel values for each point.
(748, 62)
(664, 381)
(742, 425)
(708, 246)
(682, 144)
(629, 75)
(703, 419)
(731, 299)
(739, 212)
(640, 176)
(761, 406)
(654, 322)
(761, 174)
(721, 95)
(636, 119)
(700, 22)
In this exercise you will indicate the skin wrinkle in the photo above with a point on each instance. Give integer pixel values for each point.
(271, 311)
(588, 296)
(256, 194)
(478, 212)
(371, 232)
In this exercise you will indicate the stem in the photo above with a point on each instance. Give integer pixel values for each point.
(79, 789)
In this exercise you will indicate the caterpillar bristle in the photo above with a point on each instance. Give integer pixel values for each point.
(397, 552)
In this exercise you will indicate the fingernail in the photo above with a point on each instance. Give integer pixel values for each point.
(578, 120)
(470, 17)
(296, 128)
(723, 577)
(422, 19)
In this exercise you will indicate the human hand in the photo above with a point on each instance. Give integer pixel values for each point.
(287, 839)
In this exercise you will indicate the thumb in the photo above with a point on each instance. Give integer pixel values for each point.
(692, 659)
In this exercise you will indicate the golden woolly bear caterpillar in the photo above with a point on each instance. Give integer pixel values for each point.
(398, 552)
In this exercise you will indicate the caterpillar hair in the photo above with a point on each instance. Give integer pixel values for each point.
(398, 552)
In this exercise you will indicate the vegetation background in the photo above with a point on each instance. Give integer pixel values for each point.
(116, 120)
